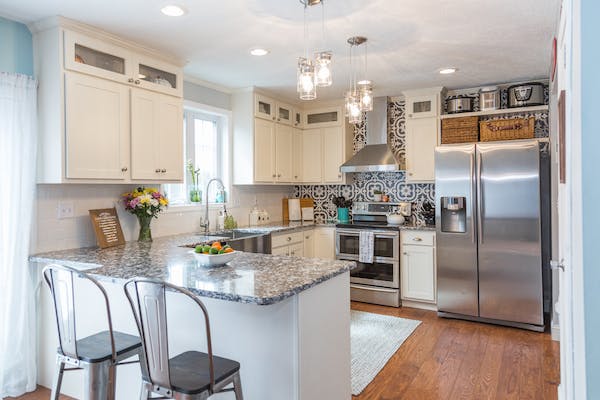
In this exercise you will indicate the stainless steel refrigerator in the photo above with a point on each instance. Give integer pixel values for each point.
(491, 223)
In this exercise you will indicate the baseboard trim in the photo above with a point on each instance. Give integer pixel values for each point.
(555, 331)
(417, 304)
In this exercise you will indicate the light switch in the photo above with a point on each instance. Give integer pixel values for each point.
(65, 209)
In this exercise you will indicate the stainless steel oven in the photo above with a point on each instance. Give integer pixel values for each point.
(376, 282)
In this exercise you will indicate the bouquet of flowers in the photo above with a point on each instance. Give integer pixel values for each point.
(145, 204)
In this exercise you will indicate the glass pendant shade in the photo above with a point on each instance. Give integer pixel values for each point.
(323, 69)
(352, 104)
(365, 92)
(307, 89)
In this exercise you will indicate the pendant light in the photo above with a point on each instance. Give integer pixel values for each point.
(317, 72)
(359, 97)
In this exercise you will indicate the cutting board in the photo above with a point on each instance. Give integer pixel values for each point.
(304, 202)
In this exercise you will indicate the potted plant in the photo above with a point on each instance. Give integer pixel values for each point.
(342, 208)
(377, 195)
(195, 193)
(145, 204)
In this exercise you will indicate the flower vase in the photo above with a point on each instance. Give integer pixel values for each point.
(145, 231)
(195, 194)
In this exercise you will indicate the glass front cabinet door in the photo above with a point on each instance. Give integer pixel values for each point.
(158, 76)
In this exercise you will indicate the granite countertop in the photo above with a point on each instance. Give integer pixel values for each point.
(249, 278)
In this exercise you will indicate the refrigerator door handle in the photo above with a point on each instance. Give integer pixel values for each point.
(473, 195)
(480, 199)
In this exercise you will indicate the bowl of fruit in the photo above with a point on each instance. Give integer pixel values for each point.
(217, 253)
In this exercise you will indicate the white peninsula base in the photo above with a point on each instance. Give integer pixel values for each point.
(296, 349)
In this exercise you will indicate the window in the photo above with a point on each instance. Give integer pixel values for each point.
(206, 146)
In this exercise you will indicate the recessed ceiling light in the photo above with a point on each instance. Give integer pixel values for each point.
(446, 71)
(173, 10)
(259, 52)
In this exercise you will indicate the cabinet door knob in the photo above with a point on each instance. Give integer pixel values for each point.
(137, 81)
(124, 169)
(417, 239)
(307, 237)
(130, 80)
(410, 174)
(274, 175)
(289, 239)
(405, 253)
(295, 176)
(273, 118)
(339, 175)
(157, 170)
(278, 119)
(279, 175)
(163, 170)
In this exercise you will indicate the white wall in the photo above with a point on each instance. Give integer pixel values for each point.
(51, 233)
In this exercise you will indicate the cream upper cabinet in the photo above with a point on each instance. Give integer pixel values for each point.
(423, 109)
(156, 136)
(264, 151)
(283, 152)
(96, 128)
(99, 123)
(90, 55)
(297, 155)
(323, 117)
(312, 144)
(298, 120)
(264, 107)
(418, 266)
(333, 145)
(421, 139)
(284, 114)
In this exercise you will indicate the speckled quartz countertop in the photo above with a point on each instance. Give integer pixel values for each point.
(249, 278)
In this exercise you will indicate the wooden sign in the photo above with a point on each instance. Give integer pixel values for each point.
(107, 227)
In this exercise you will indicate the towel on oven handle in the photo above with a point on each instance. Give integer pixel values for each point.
(366, 245)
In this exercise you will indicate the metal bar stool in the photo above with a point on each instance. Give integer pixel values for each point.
(97, 355)
(191, 375)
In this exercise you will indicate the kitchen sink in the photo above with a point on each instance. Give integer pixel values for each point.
(236, 234)
(242, 240)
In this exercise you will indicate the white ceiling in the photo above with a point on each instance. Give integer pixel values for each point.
(490, 41)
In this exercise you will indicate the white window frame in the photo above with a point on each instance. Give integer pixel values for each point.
(224, 121)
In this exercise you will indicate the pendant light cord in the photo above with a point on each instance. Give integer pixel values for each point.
(305, 34)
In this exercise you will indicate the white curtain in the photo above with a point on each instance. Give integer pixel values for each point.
(18, 146)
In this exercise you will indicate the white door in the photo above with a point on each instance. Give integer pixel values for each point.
(333, 153)
(417, 268)
(96, 128)
(297, 155)
(264, 150)
(421, 140)
(169, 125)
(312, 147)
(283, 152)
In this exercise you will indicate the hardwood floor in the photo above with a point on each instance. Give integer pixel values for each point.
(452, 359)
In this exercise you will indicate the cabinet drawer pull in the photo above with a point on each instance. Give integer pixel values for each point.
(124, 169)
(273, 118)
(274, 176)
(137, 81)
(157, 170)
(307, 237)
(279, 175)
(417, 239)
(130, 80)
(405, 253)
(339, 175)
(163, 170)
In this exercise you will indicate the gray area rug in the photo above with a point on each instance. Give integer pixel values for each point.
(374, 339)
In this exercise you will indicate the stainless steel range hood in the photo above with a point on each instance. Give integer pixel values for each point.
(376, 155)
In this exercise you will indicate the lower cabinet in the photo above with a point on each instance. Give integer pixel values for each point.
(418, 266)
(288, 244)
(324, 243)
(313, 243)
(309, 243)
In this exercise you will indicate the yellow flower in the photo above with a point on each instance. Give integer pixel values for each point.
(163, 201)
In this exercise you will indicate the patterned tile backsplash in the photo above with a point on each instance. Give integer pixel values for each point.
(361, 185)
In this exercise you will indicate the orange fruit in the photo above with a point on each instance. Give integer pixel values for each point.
(217, 245)
(229, 250)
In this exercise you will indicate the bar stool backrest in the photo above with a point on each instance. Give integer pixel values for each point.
(60, 280)
(148, 303)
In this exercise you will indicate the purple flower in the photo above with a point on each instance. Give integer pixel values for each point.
(156, 195)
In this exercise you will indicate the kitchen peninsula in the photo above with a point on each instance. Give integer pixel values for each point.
(285, 319)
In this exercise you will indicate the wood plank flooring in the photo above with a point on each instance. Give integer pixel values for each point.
(452, 359)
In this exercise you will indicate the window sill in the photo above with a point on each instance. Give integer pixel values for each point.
(186, 208)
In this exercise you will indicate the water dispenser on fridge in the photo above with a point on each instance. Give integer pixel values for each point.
(453, 215)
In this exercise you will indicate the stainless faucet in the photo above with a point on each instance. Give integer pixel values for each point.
(206, 222)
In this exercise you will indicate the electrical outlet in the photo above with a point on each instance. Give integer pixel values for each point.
(66, 209)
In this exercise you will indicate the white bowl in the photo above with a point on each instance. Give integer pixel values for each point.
(395, 219)
(211, 260)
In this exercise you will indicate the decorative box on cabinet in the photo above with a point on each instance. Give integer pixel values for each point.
(84, 106)
(418, 268)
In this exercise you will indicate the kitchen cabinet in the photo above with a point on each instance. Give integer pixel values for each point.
(272, 152)
(324, 242)
(323, 117)
(96, 128)
(288, 244)
(268, 108)
(297, 155)
(100, 57)
(96, 123)
(312, 169)
(418, 266)
(423, 110)
(309, 243)
(156, 136)
(298, 121)
(326, 150)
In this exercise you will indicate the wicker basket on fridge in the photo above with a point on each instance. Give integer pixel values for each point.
(507, 129)
(460, 130)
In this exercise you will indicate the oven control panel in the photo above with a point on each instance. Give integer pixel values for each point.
(380, 208)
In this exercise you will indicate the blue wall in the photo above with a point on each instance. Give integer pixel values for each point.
(590, 135)
(16, 48)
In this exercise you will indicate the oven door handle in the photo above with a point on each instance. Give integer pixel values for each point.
(374, 288)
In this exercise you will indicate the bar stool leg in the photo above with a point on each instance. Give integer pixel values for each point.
(112, 381)
(57, 381)
(96, 380)
(237, 387)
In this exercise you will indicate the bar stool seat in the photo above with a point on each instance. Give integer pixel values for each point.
(96, 348)
(190, 371)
